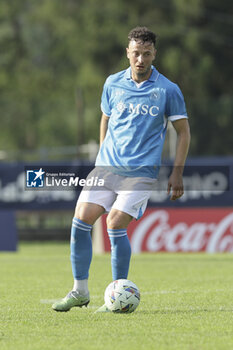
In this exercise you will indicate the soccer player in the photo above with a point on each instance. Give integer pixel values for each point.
(136, 104)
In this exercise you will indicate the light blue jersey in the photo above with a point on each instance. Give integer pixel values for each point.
(138, 116)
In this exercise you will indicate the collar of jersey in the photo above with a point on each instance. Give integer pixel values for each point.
(153, 77)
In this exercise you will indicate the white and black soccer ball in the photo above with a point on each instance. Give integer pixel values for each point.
(122, 296)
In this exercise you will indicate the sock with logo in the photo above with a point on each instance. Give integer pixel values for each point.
(120, 253)
(81, 249)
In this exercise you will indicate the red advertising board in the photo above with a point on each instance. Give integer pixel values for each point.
(180, 230)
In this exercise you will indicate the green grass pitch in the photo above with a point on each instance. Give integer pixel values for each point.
(186, 302)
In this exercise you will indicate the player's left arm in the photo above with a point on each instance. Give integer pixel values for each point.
(175, 182)
(103, 127)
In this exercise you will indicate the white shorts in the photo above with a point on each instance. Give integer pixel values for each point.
(127, 194)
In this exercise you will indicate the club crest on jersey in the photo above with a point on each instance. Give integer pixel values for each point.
(139, 108)
(155, 95)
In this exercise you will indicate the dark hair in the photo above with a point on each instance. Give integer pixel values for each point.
(142, 34)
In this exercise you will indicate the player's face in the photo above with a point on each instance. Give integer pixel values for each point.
(141, 56)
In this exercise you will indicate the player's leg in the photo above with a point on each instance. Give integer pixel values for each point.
(81, 254)
(81, 243)
(92, 203)
(117, 223)
(129, 204)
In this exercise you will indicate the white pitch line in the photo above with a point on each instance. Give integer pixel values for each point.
(48, 301)
(184, 291)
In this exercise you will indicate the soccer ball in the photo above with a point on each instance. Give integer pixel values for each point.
(122, 296)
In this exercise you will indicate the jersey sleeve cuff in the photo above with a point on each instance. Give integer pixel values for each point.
(173, 118)
(104, 112)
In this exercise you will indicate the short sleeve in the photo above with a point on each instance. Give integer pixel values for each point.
(175, 105)
(105, 100)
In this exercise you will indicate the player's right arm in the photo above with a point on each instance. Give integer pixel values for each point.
(103, 127)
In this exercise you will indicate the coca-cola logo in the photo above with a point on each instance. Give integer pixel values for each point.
(155, 233)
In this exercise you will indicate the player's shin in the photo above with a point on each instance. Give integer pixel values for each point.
(81, 251)
(120, 253)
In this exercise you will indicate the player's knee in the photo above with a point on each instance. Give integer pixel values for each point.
(85, 217)
(113, 223)
(117, 221)
(87, 213)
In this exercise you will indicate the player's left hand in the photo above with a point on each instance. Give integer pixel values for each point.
(175, 186)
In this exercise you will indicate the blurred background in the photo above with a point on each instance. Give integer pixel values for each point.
(55, 57)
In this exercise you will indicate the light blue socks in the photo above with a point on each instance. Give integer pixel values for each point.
(120, 253)
(81, 249)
